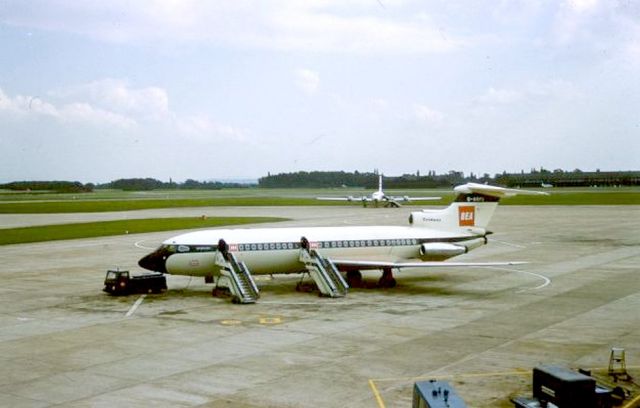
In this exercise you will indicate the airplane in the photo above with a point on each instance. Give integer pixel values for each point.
(380, 197)
(546, 185)
(233, 256)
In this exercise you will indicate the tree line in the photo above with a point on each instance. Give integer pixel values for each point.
(534, 178)
(337, 179)
(146, 184)
(129, 184)
(55, 186)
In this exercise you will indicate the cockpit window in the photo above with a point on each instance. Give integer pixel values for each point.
(168, 248)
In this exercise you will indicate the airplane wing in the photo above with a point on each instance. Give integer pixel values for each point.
(350, 198)
(407, 198)
(424, 198)
(384, 264)
(334, 198)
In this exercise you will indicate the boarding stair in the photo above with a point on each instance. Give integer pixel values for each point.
(241, 283)
(325, 274)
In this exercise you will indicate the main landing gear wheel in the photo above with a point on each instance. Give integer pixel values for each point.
(387, 280)
(354, 279)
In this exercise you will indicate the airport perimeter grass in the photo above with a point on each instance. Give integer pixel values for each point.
(52, 207)
(121, 227)
(604, 196)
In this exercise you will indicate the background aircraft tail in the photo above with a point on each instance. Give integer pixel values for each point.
(471, 210)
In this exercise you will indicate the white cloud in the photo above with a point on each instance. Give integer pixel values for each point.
(531, 91)
(118, 96)
(307, 80)
(499, 96)
(320, 31)
(27, 107)
(204, 129)
(290, 25)
(83, 112)
(379, 104)
(113, 103)
(582, 6)
(428, 115)
(588, 21)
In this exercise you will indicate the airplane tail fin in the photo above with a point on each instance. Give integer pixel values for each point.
(471, 210)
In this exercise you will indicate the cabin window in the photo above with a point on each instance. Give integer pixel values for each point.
(352, 244)
(259, 247)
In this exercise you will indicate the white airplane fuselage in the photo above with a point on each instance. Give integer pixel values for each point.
(277, 250)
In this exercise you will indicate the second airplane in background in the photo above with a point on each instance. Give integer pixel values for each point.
(379, 197)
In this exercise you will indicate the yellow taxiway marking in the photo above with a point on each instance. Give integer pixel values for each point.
(632, 403)
(230, 322)
(376, 394)
(270, 320)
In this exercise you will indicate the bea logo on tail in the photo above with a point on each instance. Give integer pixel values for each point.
(466, 216)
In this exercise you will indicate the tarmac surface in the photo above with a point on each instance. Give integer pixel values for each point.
(63, 342)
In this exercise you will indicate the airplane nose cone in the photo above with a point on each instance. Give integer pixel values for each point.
(155, 261)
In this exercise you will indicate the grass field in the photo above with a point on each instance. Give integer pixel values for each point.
(104, 201)
(120, 227)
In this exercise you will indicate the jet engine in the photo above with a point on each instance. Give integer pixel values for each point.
(438, 251)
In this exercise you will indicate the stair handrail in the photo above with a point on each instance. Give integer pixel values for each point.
(317, 260)
(343, 284)
(252, 283)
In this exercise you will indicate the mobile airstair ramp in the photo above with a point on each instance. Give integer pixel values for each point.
(325, 274)
(241, 284)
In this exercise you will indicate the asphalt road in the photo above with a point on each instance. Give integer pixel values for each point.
(64, 342)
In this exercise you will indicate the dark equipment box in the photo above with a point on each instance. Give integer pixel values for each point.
(563, 387)
(435, 394)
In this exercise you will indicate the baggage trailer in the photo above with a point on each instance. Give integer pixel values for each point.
(118, 282)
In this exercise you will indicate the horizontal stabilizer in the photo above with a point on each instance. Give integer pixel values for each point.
(494, 191)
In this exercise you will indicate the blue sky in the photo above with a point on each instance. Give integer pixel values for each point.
(95, 91)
